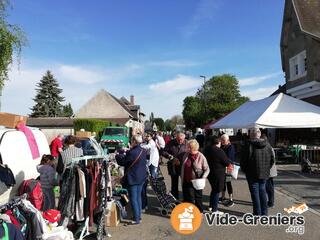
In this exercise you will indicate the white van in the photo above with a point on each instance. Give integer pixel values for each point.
(15, 152)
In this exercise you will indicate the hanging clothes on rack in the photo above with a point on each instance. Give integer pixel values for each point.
(9, 231)
(28, 221)
(84, 182)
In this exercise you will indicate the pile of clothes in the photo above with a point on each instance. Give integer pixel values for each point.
(21, 220)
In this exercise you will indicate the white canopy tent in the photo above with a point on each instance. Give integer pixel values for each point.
(278, 111)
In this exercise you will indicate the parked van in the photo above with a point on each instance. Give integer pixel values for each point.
(15, 152)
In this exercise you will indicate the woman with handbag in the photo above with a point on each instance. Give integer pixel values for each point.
(194, 171)
(134, 162)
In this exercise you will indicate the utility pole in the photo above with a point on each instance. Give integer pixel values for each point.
(204, 95)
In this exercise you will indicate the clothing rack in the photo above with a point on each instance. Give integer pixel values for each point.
(85, 227)
(86, 158)
(13, 202)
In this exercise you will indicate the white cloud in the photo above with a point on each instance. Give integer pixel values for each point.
(91, 75)
(20, 89)
(173, 63)
(259, 93)
(250, 81)
(163, 105)
(79, 83)
(179, 83)
(80, 74)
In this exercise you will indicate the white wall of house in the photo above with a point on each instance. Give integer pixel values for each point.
(298, 66)
(51, 133)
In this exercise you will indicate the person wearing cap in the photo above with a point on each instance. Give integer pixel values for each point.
(256, 160)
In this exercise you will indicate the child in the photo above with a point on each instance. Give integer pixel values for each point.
(48, 179)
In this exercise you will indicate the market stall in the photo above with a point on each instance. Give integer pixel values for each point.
(277, 112)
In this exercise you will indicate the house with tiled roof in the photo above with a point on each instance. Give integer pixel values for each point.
(300, 49)
(103, 105)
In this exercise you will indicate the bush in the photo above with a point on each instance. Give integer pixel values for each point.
(91, 125)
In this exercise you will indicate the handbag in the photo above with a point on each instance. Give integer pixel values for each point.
(124, 180)
(199, 183)
(6, 176)
(235, 171)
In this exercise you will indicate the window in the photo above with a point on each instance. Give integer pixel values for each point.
(114, 132)
(298, 66)
(305, 64)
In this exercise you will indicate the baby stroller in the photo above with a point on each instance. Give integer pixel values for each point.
(167, 200)
(306, 166)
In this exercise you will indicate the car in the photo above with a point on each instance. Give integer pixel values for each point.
(90, 146)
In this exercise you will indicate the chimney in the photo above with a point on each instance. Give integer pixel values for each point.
(132, 100)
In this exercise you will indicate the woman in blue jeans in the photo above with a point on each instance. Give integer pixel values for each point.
(134, 162)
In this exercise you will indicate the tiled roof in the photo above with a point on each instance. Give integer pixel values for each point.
(50, 122)
(308, 13)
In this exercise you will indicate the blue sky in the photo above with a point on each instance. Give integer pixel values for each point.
(155, 50)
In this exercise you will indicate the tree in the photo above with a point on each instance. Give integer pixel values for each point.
(12, 39)
(192, 112)
(219, 96)
(67, 110)
(48, 99)
(169, 125)
(160, 123)
(177, 119)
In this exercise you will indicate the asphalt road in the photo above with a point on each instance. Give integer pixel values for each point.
(155, 226)
(302, 186)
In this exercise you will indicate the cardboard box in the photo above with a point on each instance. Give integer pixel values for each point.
(83, 134)
(11, 120)
(112, 219)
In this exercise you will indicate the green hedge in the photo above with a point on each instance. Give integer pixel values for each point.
(91, 125)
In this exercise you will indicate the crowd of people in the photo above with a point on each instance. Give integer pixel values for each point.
(212, 158)
(188, 160)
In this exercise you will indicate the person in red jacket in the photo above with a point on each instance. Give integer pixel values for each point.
(56, 146)
(166, 138)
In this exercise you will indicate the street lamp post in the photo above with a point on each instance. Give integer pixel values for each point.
(204, 94)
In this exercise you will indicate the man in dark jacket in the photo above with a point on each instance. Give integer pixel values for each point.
(134, 162)
(256, 161)
(174, 151)
(200, 140)
(217, 161)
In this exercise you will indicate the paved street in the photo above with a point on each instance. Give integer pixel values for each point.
(303, 187)
(155, 226)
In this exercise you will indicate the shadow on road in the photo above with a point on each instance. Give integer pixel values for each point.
(241, 202)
